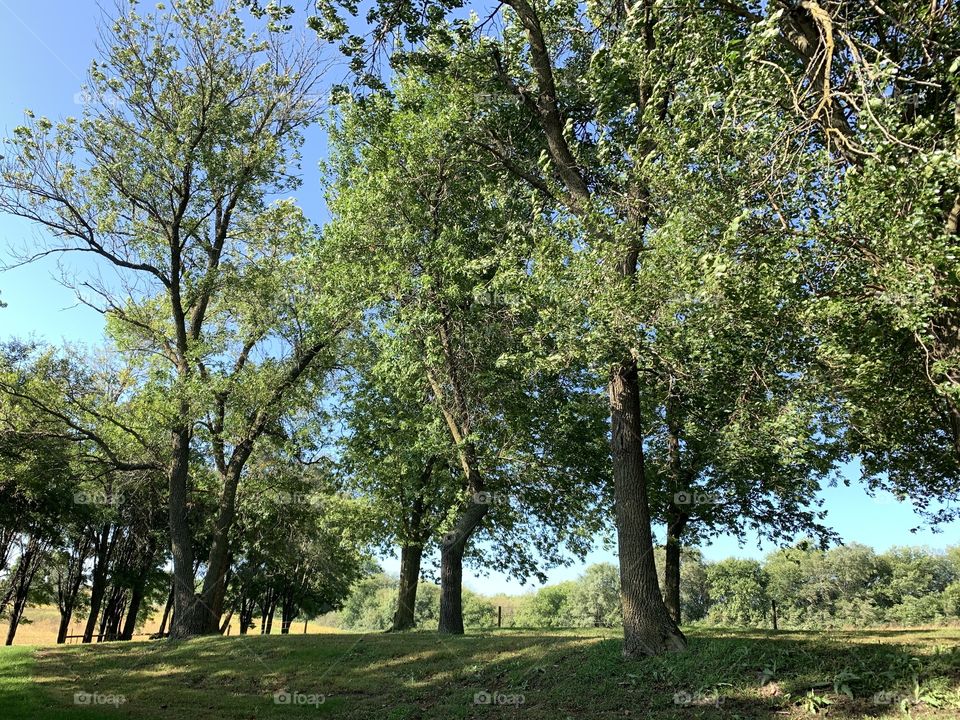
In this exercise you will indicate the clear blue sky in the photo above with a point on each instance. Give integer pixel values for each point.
(45, 54)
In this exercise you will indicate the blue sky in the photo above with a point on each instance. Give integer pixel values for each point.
(45, 55)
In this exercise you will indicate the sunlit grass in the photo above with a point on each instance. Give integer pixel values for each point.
(558, 673)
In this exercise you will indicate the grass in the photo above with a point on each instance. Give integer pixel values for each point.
(559, 674)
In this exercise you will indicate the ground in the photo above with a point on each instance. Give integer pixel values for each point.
(532, 674)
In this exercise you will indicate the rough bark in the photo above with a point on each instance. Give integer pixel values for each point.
(451, 568)
(218, 565)
(410, 557)
(185, 600)
(648, 628)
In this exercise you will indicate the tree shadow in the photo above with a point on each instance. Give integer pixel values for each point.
(559, 674)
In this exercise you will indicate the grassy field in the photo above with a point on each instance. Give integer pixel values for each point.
(532, 674)
(43, 621)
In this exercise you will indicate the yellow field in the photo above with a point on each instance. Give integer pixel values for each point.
(45, 619)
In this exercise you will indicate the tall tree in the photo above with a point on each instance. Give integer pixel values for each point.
(447, 328)
(195, 121)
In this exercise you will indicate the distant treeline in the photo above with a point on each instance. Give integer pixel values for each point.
(811, 588)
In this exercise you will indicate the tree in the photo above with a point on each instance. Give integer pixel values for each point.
(526, 442)
(870, 128)
(738, 590)
(398, 454)
(595, 599)
(299, 547)
(166, 184)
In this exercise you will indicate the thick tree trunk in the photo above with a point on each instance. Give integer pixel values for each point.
(410, 558)
(218, 561)
(648, 628)
(98, 587)
(64, 627)
(185, 621)
(451, 568)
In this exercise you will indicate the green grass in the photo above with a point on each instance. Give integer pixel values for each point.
(560, 674)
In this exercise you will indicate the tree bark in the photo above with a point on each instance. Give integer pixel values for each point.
(185, 600)
(218, 565)
(136, 599)
(451, 568)
(648, 628)
(410, 558)
(287, 613)
(671, 566)
(68, 588)
(268, 614)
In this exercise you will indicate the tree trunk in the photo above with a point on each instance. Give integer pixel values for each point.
(648, 628)
(30, 562)
(287, 613)
(218, 562)
(98, 587)
(68, 588)
(166, 612)
(185, 616)
(268, 614)
(246, 614)
(136, 599)
(671, 565)
(451, 568)
(410, 557)
(109, 623)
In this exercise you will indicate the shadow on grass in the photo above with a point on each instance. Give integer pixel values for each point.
(558, 674)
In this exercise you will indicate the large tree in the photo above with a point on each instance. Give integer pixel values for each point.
(429, 234)
(194, 122)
